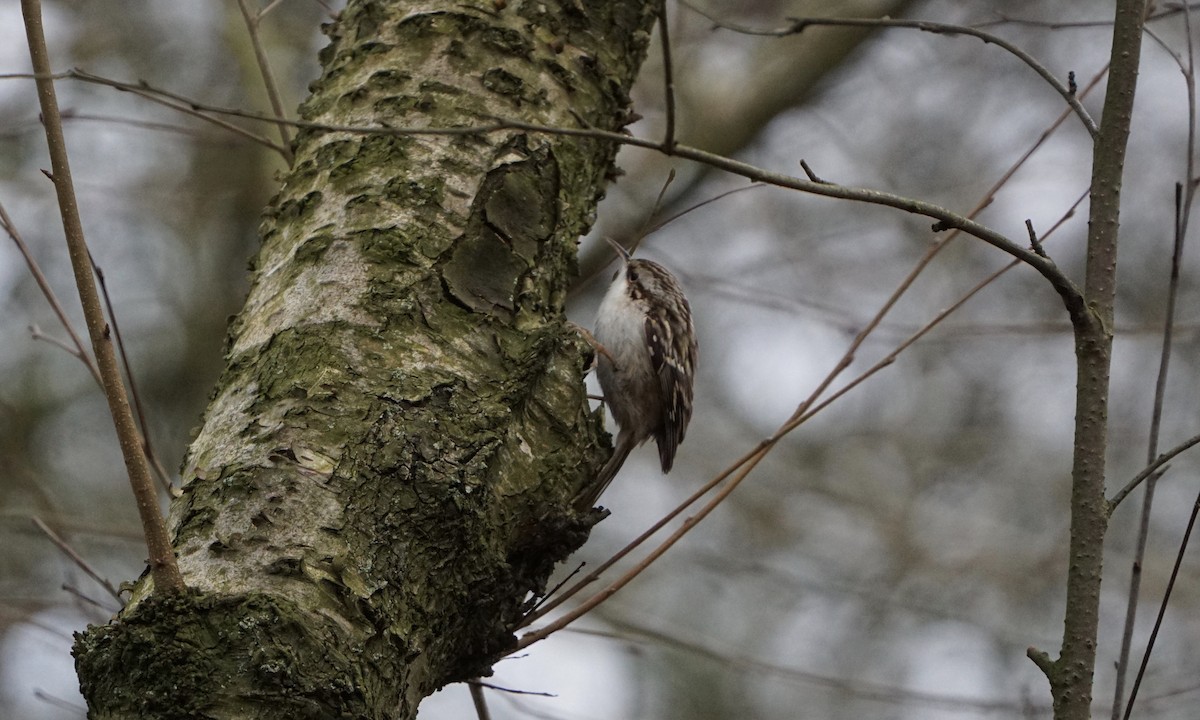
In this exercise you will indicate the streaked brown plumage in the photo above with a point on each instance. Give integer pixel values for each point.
(647, 365)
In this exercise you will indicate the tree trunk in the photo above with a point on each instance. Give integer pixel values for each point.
(385, 471)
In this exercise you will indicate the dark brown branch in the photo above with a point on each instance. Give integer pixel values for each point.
(162, 560)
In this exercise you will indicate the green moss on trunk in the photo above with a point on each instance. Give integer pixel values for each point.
(383, 477)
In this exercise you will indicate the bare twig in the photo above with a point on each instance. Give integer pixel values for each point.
(1033, 239)
(641, 635)
(1150, 469)
(1184, 198)
(163, 567)
(86, 599)
(75, 348)
(798, 25)
(480, 702)
(48, 292)
(668, 143)
(719, 196)
(946, 220)
(36, 333)
(559, 586)
(1169, 10)
(76, 558)
(160, 472)
(808, 171)
(511, 691)
(1162, 608)
(59, 703)
(173, 101)
(267, 10)
(1160, 387)
(272, 87)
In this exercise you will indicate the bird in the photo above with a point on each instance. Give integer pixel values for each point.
(646, 363)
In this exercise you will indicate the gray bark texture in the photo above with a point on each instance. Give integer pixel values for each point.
(384, 474)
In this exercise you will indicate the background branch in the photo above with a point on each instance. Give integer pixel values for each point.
(162, 559)
(798, 25)
(272, 87)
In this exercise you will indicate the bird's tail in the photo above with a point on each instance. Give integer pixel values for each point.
(587, 499)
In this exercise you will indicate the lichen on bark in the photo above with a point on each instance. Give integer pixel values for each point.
(383, 477)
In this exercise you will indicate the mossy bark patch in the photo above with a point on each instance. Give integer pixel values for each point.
(384, 476)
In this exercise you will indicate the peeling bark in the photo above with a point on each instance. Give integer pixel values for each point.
(383, 475)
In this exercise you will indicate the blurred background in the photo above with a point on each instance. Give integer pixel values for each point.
(893, 558)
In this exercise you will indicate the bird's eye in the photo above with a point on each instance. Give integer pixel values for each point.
(632, 274)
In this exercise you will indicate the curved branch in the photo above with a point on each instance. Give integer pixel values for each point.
(1071, 295)
(1150, 470)
(797, 26)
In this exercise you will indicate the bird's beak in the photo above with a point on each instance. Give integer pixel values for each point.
(619, 248)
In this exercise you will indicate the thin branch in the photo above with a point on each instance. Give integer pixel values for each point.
(809, 172)
(170, 100)
(272, 87)
(163, 567)
(77, 558)
(48, 292)
(719, 196)
(267, 10)
(511, 691)
(59, 703)
(1149, 470)
(1033, 239)
(633, 634)
(35, 333)
(798, 25)
(946, 220)
(480, 702)
(1169, 10)
(1160, 388)
(76, 349)
(559, 586)
(81, 597)
(668, 142)
(160, 472)
(1162, 608)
